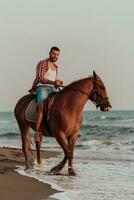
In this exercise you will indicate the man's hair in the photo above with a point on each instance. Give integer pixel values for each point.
(54, 48)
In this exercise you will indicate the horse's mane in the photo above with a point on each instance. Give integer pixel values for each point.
(76, 83)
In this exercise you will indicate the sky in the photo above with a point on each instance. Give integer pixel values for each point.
(91, 34)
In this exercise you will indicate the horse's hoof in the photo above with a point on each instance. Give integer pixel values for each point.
(55, 171)
(39, 165)
(71, 172)
(27, 167)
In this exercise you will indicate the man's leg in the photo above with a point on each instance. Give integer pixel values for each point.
(39, 121)
(39, 97)
(41, 94)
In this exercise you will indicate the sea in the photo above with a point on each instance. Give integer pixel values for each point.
(103, 160)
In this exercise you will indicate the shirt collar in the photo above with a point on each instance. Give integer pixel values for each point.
(47, 59)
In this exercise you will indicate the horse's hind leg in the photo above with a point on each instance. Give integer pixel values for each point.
(25, 145)
(38, 146)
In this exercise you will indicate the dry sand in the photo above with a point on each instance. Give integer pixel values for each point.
(14, 186)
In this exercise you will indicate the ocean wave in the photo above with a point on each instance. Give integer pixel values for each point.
(9, 135)
(94, 142)
(101, 130)
(103, 117)
(4, 121)
(102, 143)
(110, 117)
(102, 173)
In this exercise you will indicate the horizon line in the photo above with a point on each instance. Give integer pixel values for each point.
(84, 110)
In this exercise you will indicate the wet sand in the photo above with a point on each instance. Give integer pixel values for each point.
(14, 186)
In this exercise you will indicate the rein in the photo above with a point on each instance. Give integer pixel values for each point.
(90, 95)
(78, 90)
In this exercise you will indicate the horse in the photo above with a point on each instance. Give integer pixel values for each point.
(65, 117)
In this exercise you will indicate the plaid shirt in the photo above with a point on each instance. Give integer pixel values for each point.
(41, 69)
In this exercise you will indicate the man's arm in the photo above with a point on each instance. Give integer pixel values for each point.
(40, 71)
(42, 68)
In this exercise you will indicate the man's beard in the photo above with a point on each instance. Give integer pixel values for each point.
(53, 59)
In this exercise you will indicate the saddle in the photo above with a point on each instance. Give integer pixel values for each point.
(48, 104)
(30, 113)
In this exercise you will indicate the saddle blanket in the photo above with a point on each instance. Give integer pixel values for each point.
(31, 111)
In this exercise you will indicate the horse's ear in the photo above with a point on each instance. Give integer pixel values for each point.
(94, 74)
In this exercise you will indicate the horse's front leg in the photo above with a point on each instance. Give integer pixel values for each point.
(71, 142)
(59, 167)
(62, 140)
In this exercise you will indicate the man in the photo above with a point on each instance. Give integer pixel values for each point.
(45, 83)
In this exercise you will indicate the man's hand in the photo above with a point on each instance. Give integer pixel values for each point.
(58, 83)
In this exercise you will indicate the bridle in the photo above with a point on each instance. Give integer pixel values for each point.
(95, 92)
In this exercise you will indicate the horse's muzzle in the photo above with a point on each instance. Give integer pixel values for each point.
(106, 108)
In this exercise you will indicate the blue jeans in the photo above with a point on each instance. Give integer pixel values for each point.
(42, 92)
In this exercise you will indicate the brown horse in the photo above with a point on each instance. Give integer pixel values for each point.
(65, 117)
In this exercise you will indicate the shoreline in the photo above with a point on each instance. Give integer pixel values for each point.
(14, 186)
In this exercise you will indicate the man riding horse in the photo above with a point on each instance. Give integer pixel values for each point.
(65, 115)
(45, 83)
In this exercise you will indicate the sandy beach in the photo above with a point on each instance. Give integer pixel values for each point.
(14, 186)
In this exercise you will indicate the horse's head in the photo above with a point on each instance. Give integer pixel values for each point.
(99, 95)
